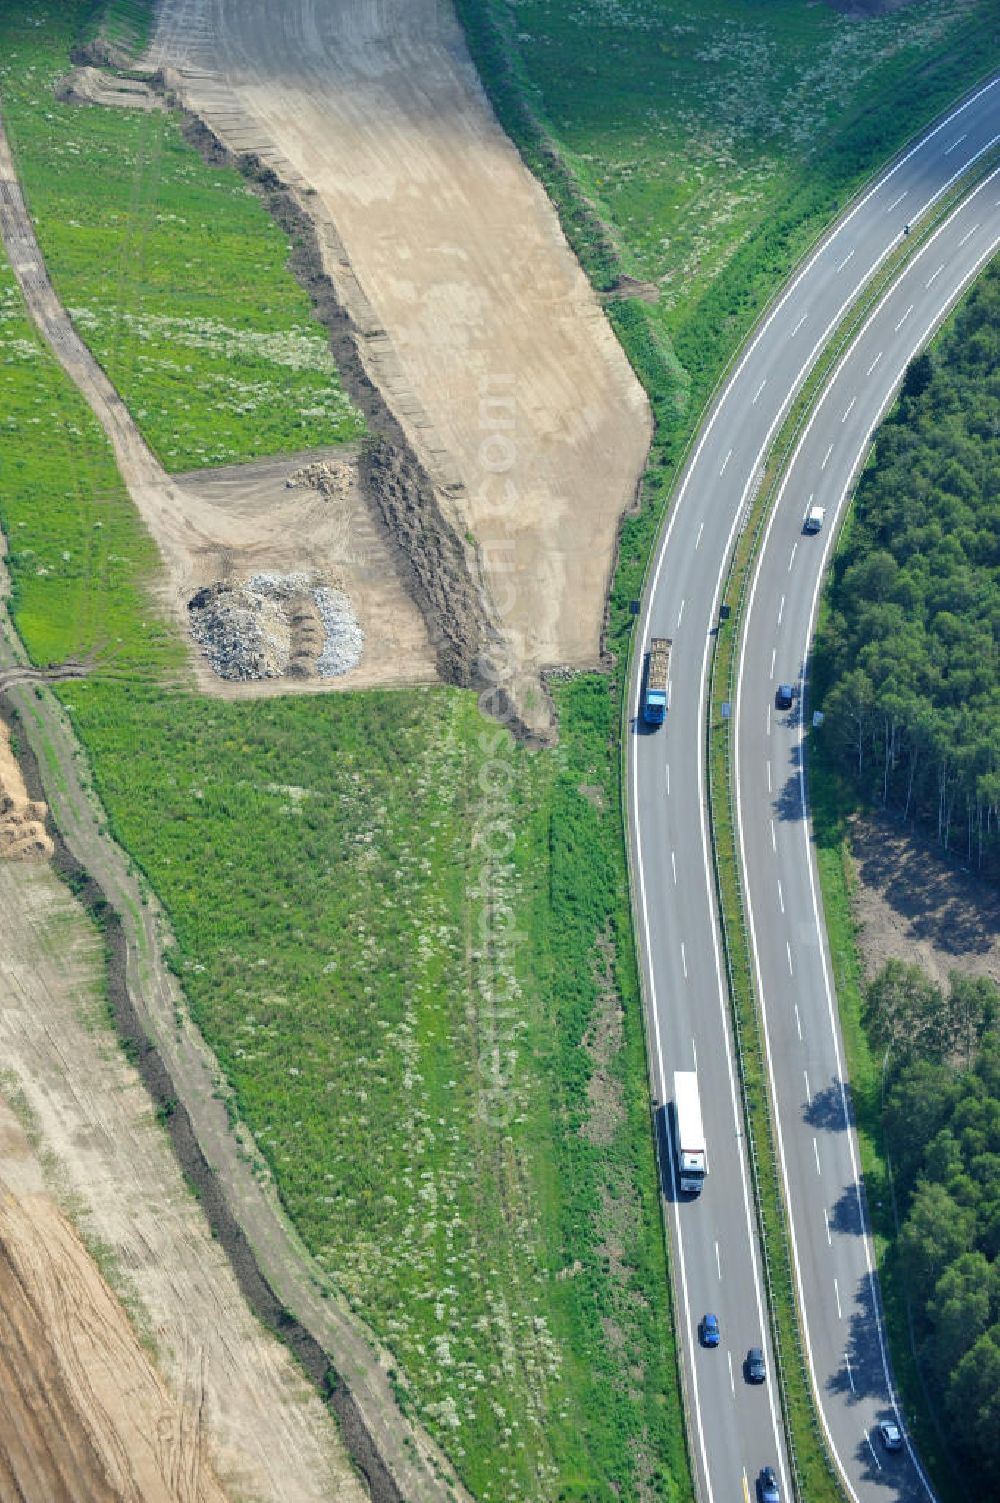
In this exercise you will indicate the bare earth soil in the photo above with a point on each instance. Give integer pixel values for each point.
(474, 318)
(914, 905)
(230, 527)
(85, 1416)
(285, 528)
(232, 1393)
(22, 821)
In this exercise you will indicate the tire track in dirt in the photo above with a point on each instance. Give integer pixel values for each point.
(85, 1417)
(202, 541)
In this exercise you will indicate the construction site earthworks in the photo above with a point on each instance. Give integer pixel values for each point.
(325, 1162)
(467, 536)
(467, 313)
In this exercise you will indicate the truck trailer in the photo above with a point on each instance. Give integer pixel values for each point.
(654, 700)
(689, 1134)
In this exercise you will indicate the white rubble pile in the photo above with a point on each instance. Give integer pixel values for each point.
(343, 638)
(245, 628)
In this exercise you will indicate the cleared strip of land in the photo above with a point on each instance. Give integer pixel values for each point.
(475, 319)
(86, 1414)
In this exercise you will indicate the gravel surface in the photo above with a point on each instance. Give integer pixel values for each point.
(246, 629)
(343, 638)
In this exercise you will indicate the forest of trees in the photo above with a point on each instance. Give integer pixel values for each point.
(907, 659)
(942, 1132)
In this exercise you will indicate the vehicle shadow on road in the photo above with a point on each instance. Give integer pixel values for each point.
(663, 1131)
(641, 727)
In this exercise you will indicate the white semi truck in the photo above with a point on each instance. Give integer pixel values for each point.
(689, 1144)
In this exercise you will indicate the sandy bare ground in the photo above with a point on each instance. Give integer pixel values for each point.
(286, 528)
(230, 1395)
(228, 527)
(415, 1466)
(85, 1416)
(23, 835)
(475, 320)
(234, 1393)
(912, 904)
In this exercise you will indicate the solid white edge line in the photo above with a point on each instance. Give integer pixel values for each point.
(679, 1238)
(806, 828)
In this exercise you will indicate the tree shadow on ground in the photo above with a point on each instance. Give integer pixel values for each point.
(826, 1109)
(846, 1218)
(862, 1375)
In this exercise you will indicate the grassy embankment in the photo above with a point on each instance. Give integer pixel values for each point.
(124, 24)
(140, 239)
(326, 862)
(698, 153)
(710, 218)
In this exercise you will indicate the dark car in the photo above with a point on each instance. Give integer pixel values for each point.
(892, 1436)
(755, 1367)
(710, 1334)
(785, 696)
(767, 1486)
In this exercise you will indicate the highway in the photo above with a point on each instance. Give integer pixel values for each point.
(734, 1428)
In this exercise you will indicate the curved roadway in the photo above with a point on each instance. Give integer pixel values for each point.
(735, 1429)
(816, 1142)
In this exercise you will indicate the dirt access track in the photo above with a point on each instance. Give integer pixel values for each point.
(473, 317)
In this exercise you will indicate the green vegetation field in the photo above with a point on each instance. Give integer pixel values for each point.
(122, 23)
(77, 556)
(139, 237)
(407, 939)
(698, 149)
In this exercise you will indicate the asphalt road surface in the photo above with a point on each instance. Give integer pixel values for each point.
(735, 1428)
(817, 1146)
